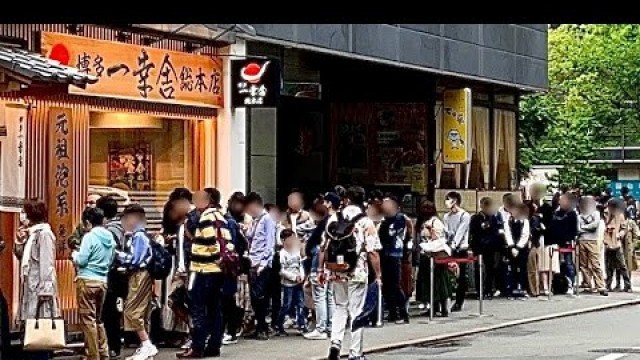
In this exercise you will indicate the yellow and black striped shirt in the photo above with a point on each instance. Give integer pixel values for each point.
(211, 232)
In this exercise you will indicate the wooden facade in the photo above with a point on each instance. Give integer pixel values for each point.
(44, 105)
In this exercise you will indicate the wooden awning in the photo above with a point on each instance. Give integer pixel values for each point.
(21, 68)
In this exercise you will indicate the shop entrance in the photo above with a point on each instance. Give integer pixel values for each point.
(140, 158)
(302, 148)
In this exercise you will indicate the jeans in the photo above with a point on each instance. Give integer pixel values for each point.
(38, 355)
(391, 287)
(349, 299)
(323, 302)
(567, 267)
(293, 300)
(463, 281)
(206, 298)
(259, 286)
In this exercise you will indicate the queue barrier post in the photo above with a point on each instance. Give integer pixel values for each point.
(432, 268)
(480, 284)
(550, 273)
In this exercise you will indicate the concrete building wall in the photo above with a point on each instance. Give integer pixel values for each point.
(511, 54)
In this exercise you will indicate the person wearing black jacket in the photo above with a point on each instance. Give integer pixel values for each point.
(484, 241)
(563, 230)
(117, 279)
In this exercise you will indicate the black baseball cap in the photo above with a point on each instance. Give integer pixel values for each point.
(333, 198)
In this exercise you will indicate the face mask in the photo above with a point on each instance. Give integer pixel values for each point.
(449, 203)
(23, 217)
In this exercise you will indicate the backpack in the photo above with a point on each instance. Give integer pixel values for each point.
(342, 248)
(229, 259)
(560, 284)
(161, 261)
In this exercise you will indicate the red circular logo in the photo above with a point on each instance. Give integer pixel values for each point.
(60, 53)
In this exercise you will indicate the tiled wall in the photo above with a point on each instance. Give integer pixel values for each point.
(512, 53)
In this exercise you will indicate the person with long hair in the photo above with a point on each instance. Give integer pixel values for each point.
(615, 232)
(431, 241)
(35, 247)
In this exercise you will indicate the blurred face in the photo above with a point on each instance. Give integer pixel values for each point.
(372, 211)
(389, 207)
(131, 222)
(565, 203)
(275, 214)
(201, 200)
(91, 200)
(295, 202)
(237, 207)
(488, 209)
(253, 209)
(291, 243)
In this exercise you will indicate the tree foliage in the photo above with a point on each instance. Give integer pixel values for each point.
(593, 98)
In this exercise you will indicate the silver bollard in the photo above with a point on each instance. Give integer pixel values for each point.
(550, 273)
(481, 283)
(380, 312)
(576, 266)
(432, 267)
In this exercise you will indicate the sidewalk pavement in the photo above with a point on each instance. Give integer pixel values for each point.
(498, 313)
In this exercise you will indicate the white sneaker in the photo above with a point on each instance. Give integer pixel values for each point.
(570, 292)
(421, 306)
(316, 335)
(229, 340)
(289, 323)
(186, 345)
(144, 353)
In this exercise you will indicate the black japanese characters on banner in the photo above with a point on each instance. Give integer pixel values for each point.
(61, 178)
(255, 82)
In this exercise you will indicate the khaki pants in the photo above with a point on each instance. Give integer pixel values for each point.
(590, 266)
(533, 269)
(138, 302)
(90, 294)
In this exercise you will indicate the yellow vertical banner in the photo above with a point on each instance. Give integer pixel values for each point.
(456, 127)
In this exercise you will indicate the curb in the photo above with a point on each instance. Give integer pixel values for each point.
(439, 338)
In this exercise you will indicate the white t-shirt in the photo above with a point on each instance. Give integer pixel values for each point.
(366, 238)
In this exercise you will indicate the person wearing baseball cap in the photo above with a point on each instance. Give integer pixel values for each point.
(332, 201)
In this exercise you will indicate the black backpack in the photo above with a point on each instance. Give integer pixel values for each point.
(342, 248)
(161, 261)
(560, 284)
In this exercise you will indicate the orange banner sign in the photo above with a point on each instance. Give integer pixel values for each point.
(139, 72)
(61, 176)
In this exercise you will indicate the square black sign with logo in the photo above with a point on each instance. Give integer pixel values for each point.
(255, 82)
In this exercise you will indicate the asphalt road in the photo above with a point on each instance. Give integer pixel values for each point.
(606, 335)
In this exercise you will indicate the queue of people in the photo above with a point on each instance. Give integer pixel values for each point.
(213, 275)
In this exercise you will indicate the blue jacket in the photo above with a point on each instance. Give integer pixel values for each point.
(138, 252)
(95, 255)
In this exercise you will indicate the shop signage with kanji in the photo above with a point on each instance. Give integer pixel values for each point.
(61, 175)
(255, 82)
(456, 126)
(139, 72)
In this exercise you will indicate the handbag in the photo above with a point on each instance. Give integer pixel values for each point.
(42, 334)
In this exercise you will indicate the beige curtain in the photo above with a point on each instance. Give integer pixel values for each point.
(439, 112)
(505, 148)
(481, 141)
